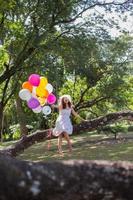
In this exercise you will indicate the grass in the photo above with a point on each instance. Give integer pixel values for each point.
(85, 146)
(6, 144)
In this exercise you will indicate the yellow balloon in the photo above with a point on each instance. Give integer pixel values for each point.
(41, 92)
(42, 101)
(43, 82)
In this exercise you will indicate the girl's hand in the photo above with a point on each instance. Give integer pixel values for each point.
(80, 119)
(52, 106)
(83, 120)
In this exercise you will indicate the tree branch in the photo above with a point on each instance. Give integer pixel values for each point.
(4, 90)
(89, 125)
(81, 97)
(2, 20)
(11, 93)
(95, 180)
(88, 8)
(90, 103)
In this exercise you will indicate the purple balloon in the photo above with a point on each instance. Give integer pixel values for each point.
(33, 103)
(34, 79)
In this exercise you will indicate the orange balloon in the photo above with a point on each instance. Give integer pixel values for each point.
(46, 93)
(27, 85)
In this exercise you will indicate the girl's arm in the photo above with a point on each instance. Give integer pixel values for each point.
(54, 106)
(59, 106)
(77, 115)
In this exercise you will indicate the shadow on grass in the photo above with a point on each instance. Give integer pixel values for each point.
(85, 146)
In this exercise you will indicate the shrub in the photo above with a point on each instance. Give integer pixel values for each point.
(15, 131)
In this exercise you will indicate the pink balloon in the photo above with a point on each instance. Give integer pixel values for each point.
(51, 98)
(34, 79)
(33, 103)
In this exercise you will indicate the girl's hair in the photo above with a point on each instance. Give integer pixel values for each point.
(64, 104)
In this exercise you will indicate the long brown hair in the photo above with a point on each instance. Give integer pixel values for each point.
(64, 104)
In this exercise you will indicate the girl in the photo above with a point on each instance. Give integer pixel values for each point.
(63, 125)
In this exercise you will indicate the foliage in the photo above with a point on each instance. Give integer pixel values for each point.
(14, 133)
(78, 56)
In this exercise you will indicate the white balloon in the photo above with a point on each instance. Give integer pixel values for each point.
(25, 94)
(37, 110)
(49, 87)
(46, 110)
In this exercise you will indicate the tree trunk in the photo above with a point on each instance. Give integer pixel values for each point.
(90, 125)
(1, 121)
(21, 117)
(66, 180)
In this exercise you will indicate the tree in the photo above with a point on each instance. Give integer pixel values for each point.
(27, 27)
(21, 117)
(89, 125)
(88, 180)
(96, 71)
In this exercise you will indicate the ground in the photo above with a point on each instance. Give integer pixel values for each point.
(90, 146)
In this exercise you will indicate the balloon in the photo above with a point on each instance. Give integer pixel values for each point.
(45, 93)
(25, 94)
(33, 103)
(42, 92)
(34, 79)
(49, 87)
(27, 85)
(51, 99)
(37, 110)
(34, 90)
(42, 101)
(43, 82)
(46, 110)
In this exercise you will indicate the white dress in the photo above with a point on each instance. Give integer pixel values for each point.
(63, 123)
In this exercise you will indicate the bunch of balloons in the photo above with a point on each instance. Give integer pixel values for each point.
(38, 92)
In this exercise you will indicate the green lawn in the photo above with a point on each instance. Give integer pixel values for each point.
(85, 146)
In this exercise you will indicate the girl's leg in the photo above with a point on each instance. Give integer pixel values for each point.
(68, 141)
(60, 143)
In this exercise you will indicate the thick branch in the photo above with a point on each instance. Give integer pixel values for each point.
(80, 180)
(13, 90)
(88, 104)
(89, 125)
(2, 21)
(4, 90)
(81, 97)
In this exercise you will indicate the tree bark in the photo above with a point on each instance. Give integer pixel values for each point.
(89, 125)
(21, 117)
(1, 120)
(80, 180)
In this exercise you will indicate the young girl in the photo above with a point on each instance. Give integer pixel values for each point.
(63, 125)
